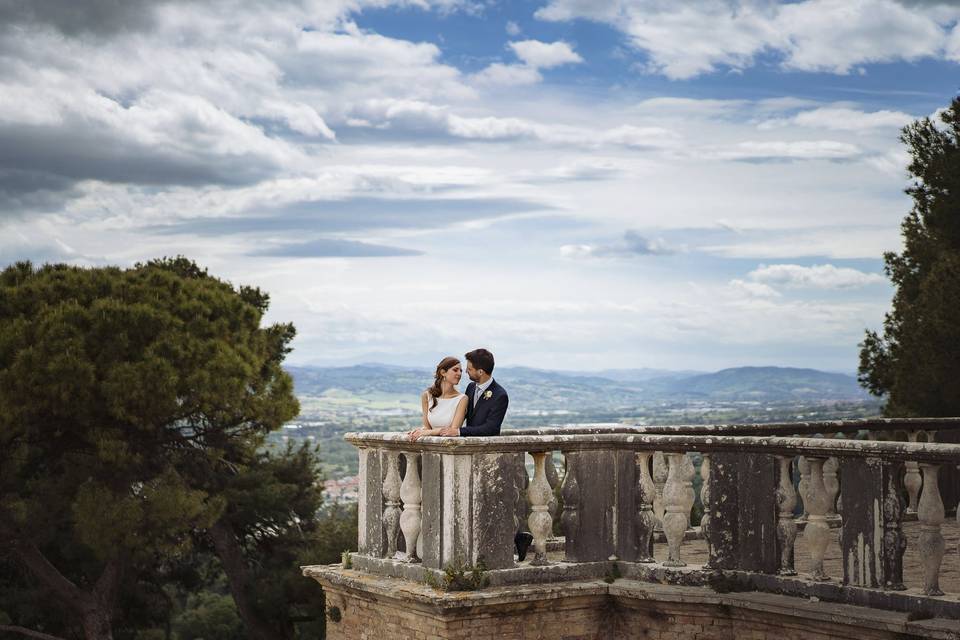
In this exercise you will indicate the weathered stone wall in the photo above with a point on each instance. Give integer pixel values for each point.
(374, 619)
(362, 607)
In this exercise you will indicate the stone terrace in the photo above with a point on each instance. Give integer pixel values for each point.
(772, 560)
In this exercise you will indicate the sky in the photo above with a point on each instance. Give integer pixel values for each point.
(572, 184)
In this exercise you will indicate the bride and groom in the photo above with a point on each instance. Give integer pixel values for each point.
(482, 407)
(445, 409)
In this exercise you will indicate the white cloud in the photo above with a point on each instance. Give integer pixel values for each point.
(424, 117)
(355, 62)
(41, 243)
(753, 289)
(788, 150)
(953, 44)
(822, 276)
(512, 28)
(838, 35)
(545, 55)
(534, 55)
(643, 137)
(892, 162)
(842, 119)
(685, 39)
(632, 244)
(832, 242)
(507, 75)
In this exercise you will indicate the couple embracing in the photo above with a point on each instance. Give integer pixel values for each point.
(445, 409)
(483, 407)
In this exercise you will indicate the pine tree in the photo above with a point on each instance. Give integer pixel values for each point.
(915, 363)
(121, 393)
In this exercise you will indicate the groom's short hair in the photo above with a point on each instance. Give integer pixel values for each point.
(481, 359)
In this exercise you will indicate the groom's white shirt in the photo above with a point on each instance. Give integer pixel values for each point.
(479, 389)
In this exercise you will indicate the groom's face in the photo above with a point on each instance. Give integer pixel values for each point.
(473, 374)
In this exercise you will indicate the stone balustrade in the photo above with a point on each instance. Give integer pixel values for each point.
(438, 502)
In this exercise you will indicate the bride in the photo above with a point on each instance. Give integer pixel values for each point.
(442, 404)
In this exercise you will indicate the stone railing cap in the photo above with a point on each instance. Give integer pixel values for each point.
(772, 428)
(813, 447)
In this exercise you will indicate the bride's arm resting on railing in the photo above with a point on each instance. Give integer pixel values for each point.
(452, 430)
(458, 418)
(424, 429)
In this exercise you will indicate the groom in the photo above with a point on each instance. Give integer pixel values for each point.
(486, 400)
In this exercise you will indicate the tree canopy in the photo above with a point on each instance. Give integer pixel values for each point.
(134, 404)
(915, 362)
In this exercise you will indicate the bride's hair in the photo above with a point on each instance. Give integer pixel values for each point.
(436, 389)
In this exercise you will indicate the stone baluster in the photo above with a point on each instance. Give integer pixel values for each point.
(540, 523)
(553, 479)
(410, 519)
(646, 520)
(660, 473)
(817, 532)
(911, 478)
(678, 498)
(930, 513)
(894, 542)
(391, 497)
(570, 518)
(786, 524)
(832, 486)
(803, 465)
(705, 500)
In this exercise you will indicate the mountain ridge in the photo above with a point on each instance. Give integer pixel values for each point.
(616, 387)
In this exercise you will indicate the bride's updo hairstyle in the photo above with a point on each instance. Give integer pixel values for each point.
(436, 389)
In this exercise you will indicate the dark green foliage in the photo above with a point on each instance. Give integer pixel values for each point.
(273, 501)
(133, 406)
(915, 362)
(335, 532)
(209, 616)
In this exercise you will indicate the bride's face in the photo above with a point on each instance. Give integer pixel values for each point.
(453, 374)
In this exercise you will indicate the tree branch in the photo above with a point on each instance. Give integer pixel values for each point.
(105, 590)
(235, 566)
(50, 576)
(28, 632)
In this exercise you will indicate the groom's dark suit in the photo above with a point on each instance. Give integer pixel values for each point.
(485, 418)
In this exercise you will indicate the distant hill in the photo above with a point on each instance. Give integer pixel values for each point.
(769, 383)
(532, 388)
(359, 379)
(642, 375)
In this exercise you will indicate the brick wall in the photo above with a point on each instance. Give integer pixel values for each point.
(391, 609)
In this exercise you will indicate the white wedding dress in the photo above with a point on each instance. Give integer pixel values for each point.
(442, 414)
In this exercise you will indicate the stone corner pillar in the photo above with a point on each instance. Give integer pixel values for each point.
(606, 506)
(469, 506)
(872, 541)
(743, 512)
(371, 538)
